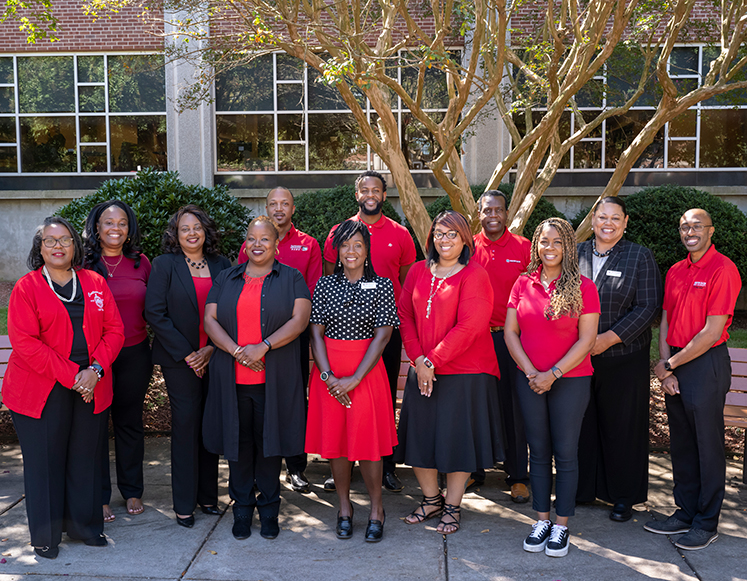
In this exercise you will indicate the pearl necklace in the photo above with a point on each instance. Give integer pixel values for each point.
(63, 299)
(596, 252)
(438, 286)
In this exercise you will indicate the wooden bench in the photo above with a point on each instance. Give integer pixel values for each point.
(5, 350)
(735, 410)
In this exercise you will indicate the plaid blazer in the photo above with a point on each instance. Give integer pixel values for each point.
(630, 300)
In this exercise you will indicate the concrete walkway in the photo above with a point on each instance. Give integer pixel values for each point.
(489, 546)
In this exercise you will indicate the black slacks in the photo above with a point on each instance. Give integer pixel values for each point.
(392, 358)
(613, 448)
(253, 468)
(298, 463)
(696, 428)
(62, 468)
(194, 470)
(131, 373)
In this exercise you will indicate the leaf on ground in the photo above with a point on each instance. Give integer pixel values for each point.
(485, 531)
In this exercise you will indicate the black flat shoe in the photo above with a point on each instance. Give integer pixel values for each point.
(270, 527)
(344, 528)
(188, 522)
(375, 530)
(242, 522)
(210, 509)
(98, 541)
(298, 482)
(391, 482)
(47, 552)
(621, 513)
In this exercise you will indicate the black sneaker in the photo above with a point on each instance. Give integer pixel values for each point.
(537, 539)
(696, 539)
(671, 526)
(557, 544)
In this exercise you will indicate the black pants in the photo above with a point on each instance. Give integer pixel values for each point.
(696, 428)
(61, 468)
(392, 358)
(253, 468)
(194, 470)
(298, 463)
(131, 373)
(613, 448)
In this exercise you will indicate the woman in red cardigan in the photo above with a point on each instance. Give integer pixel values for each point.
(449, 420)
(66, 331)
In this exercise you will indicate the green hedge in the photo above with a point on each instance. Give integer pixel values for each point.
(155, 196)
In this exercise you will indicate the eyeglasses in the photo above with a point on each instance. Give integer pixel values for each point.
(685, 228)
(451, 234)
(50, 242)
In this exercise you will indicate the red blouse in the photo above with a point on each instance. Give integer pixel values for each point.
(202, 288)
(456, 336)
(250, 327)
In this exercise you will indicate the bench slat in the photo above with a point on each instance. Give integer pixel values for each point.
(738, 369)
(4, 342)
(738, 354)
(736, 398)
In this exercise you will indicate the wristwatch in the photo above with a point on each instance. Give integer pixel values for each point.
(554, 369)
(97, 369)
(324, 375)
(667, 365)
(428, 363)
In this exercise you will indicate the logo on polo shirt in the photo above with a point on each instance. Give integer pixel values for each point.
(297, 247)
(512, 260)
(699, 283)
(97, 299)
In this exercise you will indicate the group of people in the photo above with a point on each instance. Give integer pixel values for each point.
(514, 345)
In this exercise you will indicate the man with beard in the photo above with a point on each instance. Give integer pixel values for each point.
(300, 251)
(392, 255)
(695, 372)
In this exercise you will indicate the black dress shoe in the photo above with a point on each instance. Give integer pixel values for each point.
(375, 530)
(392, 483)
(270, 527)
(188, 522)
(329, 485)
(213, 509)
(242, 522)
(621, 512)
(298, 482)
(97, 541)
(47, 552)
(344, 528)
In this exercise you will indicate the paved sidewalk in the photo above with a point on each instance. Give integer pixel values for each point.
(152, 546)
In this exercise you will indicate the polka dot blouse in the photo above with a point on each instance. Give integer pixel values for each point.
(351, 311)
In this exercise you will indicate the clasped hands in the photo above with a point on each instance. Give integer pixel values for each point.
(251, 356)
(540, 381)
(669, 383)
(198, 360)
(85, 381)
(340, 387)
(426, 376)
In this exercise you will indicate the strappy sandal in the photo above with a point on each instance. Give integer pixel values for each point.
(422, 516)
(454, 514)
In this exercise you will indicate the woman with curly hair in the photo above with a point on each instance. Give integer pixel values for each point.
(175, 307)
(551, 326)
(112, 248)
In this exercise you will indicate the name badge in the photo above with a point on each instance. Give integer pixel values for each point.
(368, 285)
(615, 273)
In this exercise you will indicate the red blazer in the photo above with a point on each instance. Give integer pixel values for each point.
(42, 335)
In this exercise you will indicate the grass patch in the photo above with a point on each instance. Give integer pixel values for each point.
(737, 338)
(4, 321)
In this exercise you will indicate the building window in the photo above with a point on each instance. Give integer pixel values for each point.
(273, 116)
(75, 114)
(711, 135)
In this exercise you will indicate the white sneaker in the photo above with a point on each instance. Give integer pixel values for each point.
(557, 544)
(537, 539)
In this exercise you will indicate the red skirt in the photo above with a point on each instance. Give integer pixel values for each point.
(365, 430)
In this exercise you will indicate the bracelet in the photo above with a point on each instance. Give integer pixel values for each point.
(269, 345)
(238, 348)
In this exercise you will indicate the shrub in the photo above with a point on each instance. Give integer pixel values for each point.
(155, 196)
(655, 213)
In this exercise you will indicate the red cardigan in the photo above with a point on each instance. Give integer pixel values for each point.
(42, 335)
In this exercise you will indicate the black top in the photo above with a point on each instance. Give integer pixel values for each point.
(285, 410)
(351, 311)
(171, 307)
(79, 351)
(630, 294)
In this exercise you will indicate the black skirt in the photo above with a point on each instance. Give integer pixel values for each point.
(457, 429)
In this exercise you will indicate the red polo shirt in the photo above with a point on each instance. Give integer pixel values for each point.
(391, 249)
(300, 251)
(547, 341)
(505, 259)
(696, 290)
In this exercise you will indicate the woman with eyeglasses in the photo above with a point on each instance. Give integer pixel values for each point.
(450, 419)
(66, 331)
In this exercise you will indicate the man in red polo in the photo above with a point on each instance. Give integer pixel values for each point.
(392, 255)
(695, 372)
(300, 251)
(505, 256)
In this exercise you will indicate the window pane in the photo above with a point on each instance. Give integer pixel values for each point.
(8, 160)
(591, 94)
(92, 158)
(723, 138)
(138, 141)
(45, 84)
(435, 92)
(684, 125)
(93, 129)
(290, 97)
(587, 155)
(622, 130)
(7, 129)
(7, 100)
(418, 144)
(91, 99)
(136, 83)
(291, 157)
(48, 144)
(6, 69)
(90, 69)
(589, 116)
(289, 68)
(290, 128)
(684, 86)
(624, 70)
(323, 97)
(681, 154)
(245, 142)
(335, 143)
(730, 98)
(683, 61)
(246, 88)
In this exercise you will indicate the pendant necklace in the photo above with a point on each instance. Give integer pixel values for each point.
(63, 299)
(196, 265)
(438, 286)
(596, 252)
(106, 264)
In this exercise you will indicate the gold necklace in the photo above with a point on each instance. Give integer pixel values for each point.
(106, 264)
(438, 286)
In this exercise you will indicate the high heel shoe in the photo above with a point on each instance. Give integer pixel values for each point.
(187, 522)
(375, 530)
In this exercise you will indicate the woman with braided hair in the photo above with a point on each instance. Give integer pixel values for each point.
(552, 300)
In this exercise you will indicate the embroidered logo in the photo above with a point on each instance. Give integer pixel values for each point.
(97, 299)
(699, 283)
(297, 247)
(512, 260)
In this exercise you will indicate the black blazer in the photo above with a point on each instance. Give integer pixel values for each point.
(630, 294)
(171, 307)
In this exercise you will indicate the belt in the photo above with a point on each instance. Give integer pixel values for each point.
(495, 329)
